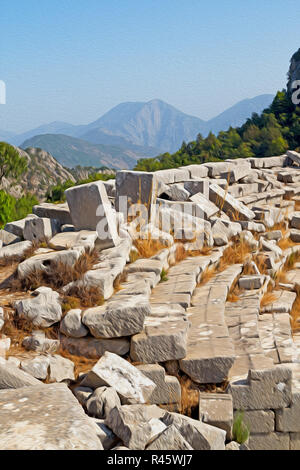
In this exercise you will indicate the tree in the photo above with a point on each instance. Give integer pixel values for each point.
(11, 163)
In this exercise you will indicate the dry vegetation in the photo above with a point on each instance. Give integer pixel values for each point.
(207, 275)
(268, 298)
(236, 253)
(148, 247)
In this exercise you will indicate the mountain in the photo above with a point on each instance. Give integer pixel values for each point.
(153, 124)
(43, 171)
(70, 151)
(130, 131)
(238, 114)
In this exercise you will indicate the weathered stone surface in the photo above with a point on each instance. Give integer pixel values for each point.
(271, 441)
(38, 342)
(259, 421)
(53, 211)
(71, 325)
(216, 409)
(167, 389)
(8, 238)
(175, 192)
(251, 282)
(113, 371)
(294, 441)
(295, 222)
(288, 419)
(107, 437)
(60, 369)
(17, 250)
(1, 318)
(117, 318)
(204, 207)
(134, 187)
(263, 389)
(45, 261)
(94, 348)
(160, 341)
(45, 417)
(209, 361)
(17, 227)
(233, 208)
(199, 435)
(170, 439)
(37, 367)
(82, 394)
(42, 308)
(133, 424)
(39, 229)
(66, 240)
(91, 209)
(102, 400)
(12, 377)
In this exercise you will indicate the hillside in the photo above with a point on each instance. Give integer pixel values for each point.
(70, 151)
(43, 172)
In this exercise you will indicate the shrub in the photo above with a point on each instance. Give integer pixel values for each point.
(240, 430)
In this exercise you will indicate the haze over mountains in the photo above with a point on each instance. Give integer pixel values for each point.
(130, 131)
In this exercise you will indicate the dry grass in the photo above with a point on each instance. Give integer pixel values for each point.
(207, 275)
(133, 256)
(204, 251)
(236, 253)
(189, 396)
(285, 243)
(292, 259)
(9, 260)
(120, 279)
(180, 253)
(234, 293)
(148, 247)
(58, 274)
(261, 262)
(16, 329)
(69, 303)
(278, 226)
(267, 299)
(280, 277)
(89, 296)
(297, 205)
(295, 315)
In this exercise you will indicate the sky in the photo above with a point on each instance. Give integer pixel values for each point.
(73, 60)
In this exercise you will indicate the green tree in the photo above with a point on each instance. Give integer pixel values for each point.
(11, 163)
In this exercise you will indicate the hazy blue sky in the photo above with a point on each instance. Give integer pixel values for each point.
(72, 60)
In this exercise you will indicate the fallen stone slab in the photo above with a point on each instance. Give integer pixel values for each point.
(199, 435)
(233, 208)
(91, 209)
(107, 437)
(67, 240)
(295, 235)
(71, 325)
(12, 377)
(94, 348)
(175, 192)
(113, 371)
(251, 282)
(53, 211)
(8, 238)
(37, 366)
(204, 208)
(216, 409)
(117, 318)
(283, 302)
(15, 250)
(42, 309)
(170, 439)
(39, 229)
(102, 401)
(61, 369)
(45, 417)
(136, 425)
(167, 389)
(160, 341)
(17, 227)
(45, 261)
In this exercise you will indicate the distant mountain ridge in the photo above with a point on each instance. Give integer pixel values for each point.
(135, 130)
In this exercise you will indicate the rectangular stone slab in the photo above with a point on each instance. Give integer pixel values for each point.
(46, 417)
